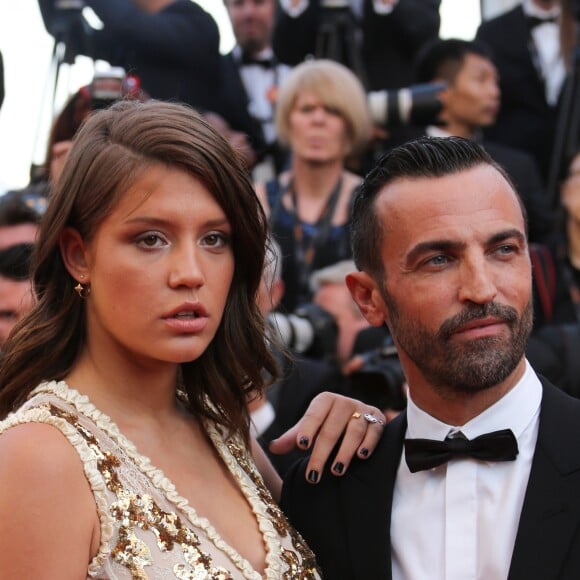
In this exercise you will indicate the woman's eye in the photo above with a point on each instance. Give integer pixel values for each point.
(216, 239)
(150, 240)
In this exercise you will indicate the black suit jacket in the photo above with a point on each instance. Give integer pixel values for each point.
(525, 119)
(390, 41)
(346, 520)
(233, 103)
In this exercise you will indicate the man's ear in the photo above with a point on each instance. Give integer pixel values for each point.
(366, 294)
(73, 252)
(277, 292)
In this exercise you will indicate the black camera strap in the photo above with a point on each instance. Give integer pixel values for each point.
(305, 248)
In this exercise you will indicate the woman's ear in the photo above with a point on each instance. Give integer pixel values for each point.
(74, 255)
(366, 294)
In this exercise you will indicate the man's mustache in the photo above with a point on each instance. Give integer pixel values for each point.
(492, 309)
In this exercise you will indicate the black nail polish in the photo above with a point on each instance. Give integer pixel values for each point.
(338, 467)
(364, 452)
(303, 442)
(313, 476)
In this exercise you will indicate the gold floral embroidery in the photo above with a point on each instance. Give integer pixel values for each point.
(134, 510)
(287, 558)
(304, 568)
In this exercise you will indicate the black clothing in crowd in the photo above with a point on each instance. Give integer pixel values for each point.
(175, 52)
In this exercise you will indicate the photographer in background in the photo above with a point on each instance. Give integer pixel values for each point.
(322, 117)
(171, 45)
(383, 35)
(16, 296)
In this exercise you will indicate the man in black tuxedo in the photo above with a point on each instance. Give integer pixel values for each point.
(392, 32)
(480, 476)
(525, 42)
(250, 76)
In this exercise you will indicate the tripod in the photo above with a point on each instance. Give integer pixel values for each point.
(340, 39)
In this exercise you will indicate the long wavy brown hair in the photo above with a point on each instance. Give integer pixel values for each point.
(111, 150)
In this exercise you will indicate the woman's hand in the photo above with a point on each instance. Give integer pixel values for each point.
(328, 418)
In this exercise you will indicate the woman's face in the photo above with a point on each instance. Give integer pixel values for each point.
(160, 268)
(317, 132)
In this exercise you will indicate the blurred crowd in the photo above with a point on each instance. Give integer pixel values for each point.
(312, 94)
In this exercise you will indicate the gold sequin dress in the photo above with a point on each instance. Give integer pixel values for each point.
(147, 529)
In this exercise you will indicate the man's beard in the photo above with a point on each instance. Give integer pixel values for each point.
(253, 45)
(454, 367)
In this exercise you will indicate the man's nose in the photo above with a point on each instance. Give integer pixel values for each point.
(477, 282)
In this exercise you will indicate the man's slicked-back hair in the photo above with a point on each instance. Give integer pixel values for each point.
(424, 157)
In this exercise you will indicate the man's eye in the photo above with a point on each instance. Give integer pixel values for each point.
(507, 249)
(439, 260)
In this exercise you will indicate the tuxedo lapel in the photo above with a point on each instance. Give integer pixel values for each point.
(551, 511)
(520, 29)
(367, 499)
(233, 80)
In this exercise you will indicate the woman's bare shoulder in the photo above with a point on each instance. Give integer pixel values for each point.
(35, 443)
(47, 509)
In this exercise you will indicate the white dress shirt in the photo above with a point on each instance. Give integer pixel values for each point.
(261, 85)
(261, 419)
(295, 8)
(459, 521)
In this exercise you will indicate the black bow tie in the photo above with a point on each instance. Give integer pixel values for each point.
(422, 454)
(266, 63)
(534, 21)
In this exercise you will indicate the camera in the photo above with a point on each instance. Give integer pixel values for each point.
(309, 330)
(110, 86)
(380, 381)
(414, 105)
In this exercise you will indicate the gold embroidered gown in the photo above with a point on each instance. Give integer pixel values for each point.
(147, 529)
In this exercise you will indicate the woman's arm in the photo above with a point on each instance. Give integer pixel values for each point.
(269, 474)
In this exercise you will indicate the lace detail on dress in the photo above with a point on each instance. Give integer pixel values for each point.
(145, 523)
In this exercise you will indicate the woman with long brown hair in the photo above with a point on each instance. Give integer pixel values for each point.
(125, 442)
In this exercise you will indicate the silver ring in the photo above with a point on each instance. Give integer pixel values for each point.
(372, 419)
